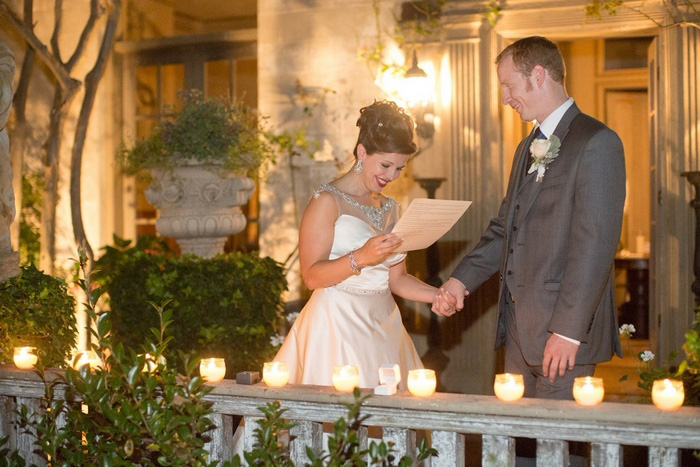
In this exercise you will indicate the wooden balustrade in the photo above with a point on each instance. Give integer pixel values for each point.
(447, 417)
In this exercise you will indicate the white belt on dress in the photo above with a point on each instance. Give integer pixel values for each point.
(355, 290)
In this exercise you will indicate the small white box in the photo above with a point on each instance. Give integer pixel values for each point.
(389, 378)
(385, 390)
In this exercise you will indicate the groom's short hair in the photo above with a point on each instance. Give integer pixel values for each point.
(532, 51)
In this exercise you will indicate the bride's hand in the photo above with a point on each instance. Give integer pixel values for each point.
(377, 249)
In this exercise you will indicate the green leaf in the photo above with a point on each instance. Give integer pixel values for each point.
(103, 325)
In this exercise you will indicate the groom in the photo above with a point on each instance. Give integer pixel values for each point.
(556, 233)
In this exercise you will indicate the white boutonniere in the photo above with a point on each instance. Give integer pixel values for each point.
(543, 151)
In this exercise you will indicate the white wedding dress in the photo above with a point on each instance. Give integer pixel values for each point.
(357, 321)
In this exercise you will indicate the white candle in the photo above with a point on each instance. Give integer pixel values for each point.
(24, 357)
(275, 374)
(421, 383)
(509, 387)
(588, 390)
(668, 394)
(150, 363)
(85, 357)
(346, 378)
(212, 370)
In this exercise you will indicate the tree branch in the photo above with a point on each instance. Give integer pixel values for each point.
(92, 81)
(69, 86)
(57, 22)
(95, 13)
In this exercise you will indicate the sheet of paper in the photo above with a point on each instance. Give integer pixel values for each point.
(426, 220)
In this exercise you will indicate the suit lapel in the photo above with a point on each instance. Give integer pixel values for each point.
(529, 189)
(518, 175)
(522, 176)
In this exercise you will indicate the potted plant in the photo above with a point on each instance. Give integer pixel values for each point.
(201, 162)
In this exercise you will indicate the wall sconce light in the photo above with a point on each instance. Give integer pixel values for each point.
(417, 92)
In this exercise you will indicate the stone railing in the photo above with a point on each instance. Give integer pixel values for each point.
(448, 418)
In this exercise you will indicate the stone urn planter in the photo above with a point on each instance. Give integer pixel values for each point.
(199, 206)
(199, 158)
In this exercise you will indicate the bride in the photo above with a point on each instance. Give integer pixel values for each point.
(348, 259)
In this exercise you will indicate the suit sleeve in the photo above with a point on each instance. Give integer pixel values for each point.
(484, 260)
(595, 233)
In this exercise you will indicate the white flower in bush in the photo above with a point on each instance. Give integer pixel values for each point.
(646, 356)
(291, 317)
(627, 330)
(276, 340)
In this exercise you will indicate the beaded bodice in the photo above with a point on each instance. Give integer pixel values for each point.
(375, 215)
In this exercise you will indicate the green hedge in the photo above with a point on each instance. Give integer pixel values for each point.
(36, 310)
(227, 306)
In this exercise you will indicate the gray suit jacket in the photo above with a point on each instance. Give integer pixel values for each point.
(554, 243)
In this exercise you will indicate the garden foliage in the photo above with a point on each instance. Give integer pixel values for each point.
(228, 306)
(120, 413)
(36, 310)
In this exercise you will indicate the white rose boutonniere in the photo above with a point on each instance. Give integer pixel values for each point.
(543, 151)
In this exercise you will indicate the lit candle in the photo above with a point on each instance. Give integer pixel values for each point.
(667, 394)
(24, 357)
(275, 374)
(346, 378)
(85, 357)
(150, 363)
(588, 390)
(212, 370)
(509, 387)
(421, 383)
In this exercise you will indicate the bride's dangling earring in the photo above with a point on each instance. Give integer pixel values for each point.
(358, 167)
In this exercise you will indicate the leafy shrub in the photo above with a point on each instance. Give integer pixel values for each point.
(228, 306)
(33, 187)
(119, 414)
(205, 130)
(688, 371)
(343, 444)
(36, 310)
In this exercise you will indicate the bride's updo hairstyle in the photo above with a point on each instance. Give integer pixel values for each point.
(385, 128)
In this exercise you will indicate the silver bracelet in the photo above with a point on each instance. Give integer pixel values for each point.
(353, 264)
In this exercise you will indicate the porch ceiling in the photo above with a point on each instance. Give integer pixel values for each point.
(214, 9)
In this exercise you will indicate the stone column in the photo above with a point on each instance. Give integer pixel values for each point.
(9, 260)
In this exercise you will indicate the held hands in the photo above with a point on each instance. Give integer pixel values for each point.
(449, 298)
(559, 355)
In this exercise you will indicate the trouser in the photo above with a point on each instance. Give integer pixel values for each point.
(536, 384)
(539, 386)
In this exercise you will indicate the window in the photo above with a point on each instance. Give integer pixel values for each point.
(626, 53)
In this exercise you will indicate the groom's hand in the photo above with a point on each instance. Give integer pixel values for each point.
(450, 298)
(559, 355)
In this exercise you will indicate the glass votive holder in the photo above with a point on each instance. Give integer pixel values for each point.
(85, 357)
(345, 378)
(212, 370)
(151, 364)
(668, 394)
(421, 383)
(588, 390)
(509, 387)
(25, 357)
(275, 374)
